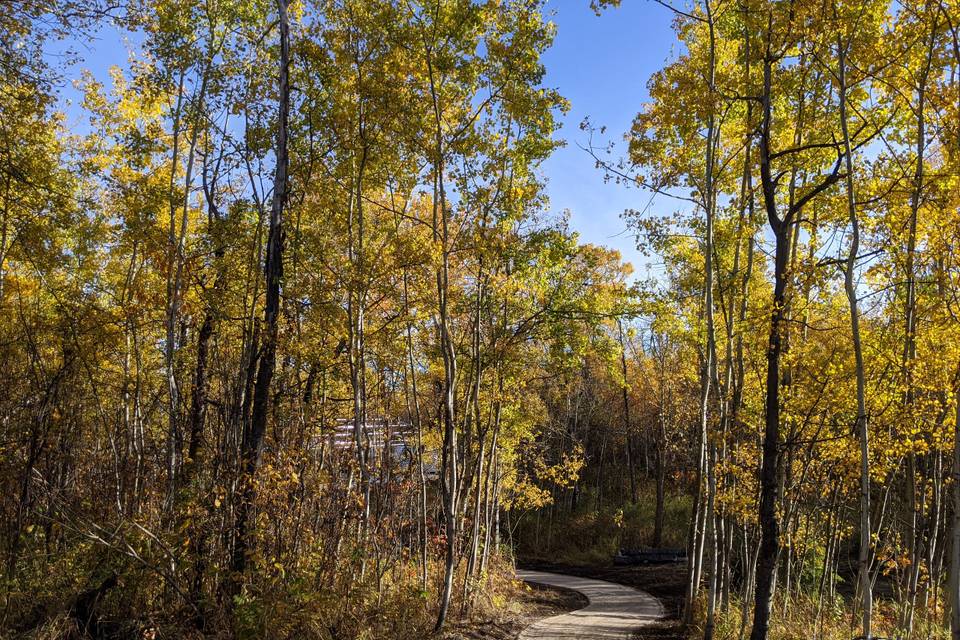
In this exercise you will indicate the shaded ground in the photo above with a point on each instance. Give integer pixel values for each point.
(667, 582)
(531, 603)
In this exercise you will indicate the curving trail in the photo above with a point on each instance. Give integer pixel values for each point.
(615, 611)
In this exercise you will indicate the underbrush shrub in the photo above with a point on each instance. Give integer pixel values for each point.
(590, 536)
(808, 617)
(283, 598)
(639, 518)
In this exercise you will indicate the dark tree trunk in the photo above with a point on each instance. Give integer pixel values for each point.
(769, 486)
(631, 467)
(251, 447)
(769, 526)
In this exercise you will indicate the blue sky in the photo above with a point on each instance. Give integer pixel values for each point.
(601, 65)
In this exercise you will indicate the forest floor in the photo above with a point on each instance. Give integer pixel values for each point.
(666, 582)
(529, 604)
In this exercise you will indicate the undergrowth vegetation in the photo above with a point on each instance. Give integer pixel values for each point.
(587, 535)
(806, 616)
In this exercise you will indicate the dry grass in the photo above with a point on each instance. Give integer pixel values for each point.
(804, 618)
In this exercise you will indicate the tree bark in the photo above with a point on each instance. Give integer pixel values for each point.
(252, 443)
(954, 586)
(769, 526)
(449, 473)
(631, 470)
(909, 342)
(865, 587)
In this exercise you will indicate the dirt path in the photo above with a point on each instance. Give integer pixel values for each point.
(615, 611)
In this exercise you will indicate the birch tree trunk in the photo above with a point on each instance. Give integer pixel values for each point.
(863, 560)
